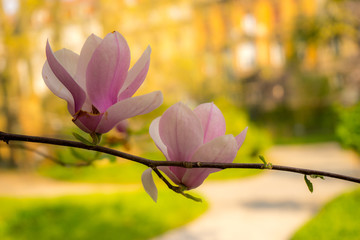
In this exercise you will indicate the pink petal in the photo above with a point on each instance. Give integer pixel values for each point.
(136, 75)
(212, 120)
(61, 71)
(107, 71)
(174, 173)
(178, 171)
(170, 174)
(149, 184)
(196, 176)
(222, 150)
(128, 108)
(154, 134)
(54, 84)
(88, 122)
(81, 126)
(90, 45)
(241, 137)
(180, 130)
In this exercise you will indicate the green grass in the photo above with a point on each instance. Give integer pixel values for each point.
(127, 172)
(92, 217)
(339, 219)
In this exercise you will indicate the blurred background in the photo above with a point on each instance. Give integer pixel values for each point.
(285, 66)
(288, 69)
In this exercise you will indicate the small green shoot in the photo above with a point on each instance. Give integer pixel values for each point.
(181, 188)
(191, 197)
(266, 164)
(263, 159)
(309, 184)
(317, 176)
(96, 137)
(82, 139)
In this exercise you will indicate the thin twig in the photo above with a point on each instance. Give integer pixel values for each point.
(172, 187)
(7, 137)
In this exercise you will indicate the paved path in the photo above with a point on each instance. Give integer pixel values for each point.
(274, 204)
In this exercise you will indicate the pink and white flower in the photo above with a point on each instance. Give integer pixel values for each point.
(197, 135)
(97, 84)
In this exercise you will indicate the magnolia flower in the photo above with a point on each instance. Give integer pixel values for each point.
(97, 84)
(184, 135)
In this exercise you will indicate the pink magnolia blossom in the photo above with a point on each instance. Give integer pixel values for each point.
(194, 136)
(97, 84)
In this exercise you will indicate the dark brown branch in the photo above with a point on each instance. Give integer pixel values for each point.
(7, 137)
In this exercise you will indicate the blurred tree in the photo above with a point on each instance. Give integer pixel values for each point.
(17, 42)
(8, 86)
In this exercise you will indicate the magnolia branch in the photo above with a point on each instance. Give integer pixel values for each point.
(7, 137)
